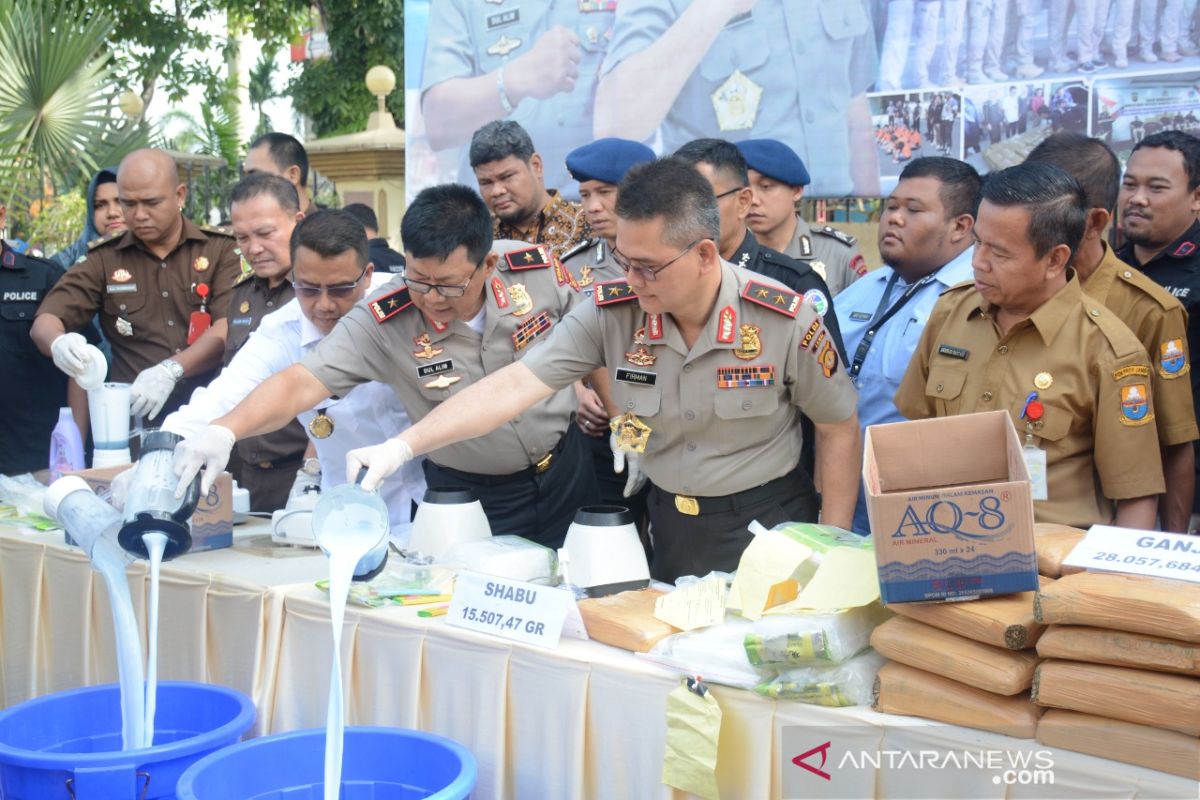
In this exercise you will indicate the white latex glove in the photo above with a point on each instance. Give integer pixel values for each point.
(210, 449)
(150, 391)
(70, 354)
(380, 460)
(118, 490)
(635, 479)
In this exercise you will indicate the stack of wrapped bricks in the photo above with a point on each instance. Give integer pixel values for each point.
(1121, 677)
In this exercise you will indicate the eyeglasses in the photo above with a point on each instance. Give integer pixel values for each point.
(648, 273)
(728, 192)
(338, 292)
(444, 289)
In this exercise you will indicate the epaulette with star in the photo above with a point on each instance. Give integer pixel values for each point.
(390, 305)
(773, 297)
(609, 293)
(535, 257)
(841, 236)
(103, 240)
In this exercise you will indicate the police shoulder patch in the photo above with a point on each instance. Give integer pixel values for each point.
(390, 305)
(535, 257)
(841, 236)
(775, 298)
(608, 293)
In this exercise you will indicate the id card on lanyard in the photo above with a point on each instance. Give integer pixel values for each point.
(880, 318)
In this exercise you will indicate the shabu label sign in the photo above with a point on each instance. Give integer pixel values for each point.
(523, 612)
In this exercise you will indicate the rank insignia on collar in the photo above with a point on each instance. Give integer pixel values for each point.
(777, 299)
(806, 250)
(610, 292)
(632, 433)
(441, 327)
(498, 292)
(425, 345)
(530, 329)
(858, 265)
(390, 305)
(585, 276)
(726, 325)
(751, 344)
(1135, 405)
(1184, 249)
(536, 257)
(747, 376)
(9, 259)
(1172, 361)
(654, 322)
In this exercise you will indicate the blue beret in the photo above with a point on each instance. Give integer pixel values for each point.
(775, 160)
(606, 160)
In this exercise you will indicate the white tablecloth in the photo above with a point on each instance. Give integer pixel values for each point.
(585, 720)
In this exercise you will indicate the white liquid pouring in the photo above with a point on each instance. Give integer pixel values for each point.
(109, 560)
(155, 544)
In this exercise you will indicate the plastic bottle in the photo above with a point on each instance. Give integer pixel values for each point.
(66, 446)
(77, 509)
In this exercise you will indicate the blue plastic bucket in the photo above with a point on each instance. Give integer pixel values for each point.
(68, 745)
(380, 763)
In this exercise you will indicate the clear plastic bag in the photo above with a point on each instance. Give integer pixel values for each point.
(512, 557)
(796, 640)
(846, 684)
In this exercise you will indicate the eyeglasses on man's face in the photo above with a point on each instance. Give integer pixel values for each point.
(444, 289)
(648, 273)
(338, 291)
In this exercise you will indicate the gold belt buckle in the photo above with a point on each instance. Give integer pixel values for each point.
(687, 505)
(544, 464)
(265, 465)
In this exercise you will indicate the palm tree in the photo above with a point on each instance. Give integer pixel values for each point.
(56, 109)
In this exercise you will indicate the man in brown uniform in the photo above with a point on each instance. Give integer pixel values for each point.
(157, 287)
(264, 210)
(512, 183)
(461, 311)
(1147, 309)
(711, 369)
(1024, 338)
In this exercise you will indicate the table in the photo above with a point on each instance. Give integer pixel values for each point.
(585, 720)
(220, 613)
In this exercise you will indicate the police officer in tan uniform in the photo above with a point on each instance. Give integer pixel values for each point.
(599, 168)
(461, 312)
(157, 287)
(710, 368)
(778, 178)
(264, 210)
(1024, 338)
(1150, 311)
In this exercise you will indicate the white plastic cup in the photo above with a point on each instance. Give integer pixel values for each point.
(108, 408)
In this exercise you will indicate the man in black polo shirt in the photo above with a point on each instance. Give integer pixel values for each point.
(1159, 201)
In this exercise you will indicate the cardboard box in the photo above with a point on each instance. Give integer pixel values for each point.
(951, 508)
(212, 524)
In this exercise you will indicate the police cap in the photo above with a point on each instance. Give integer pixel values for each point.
(775, 160)
(607, 159)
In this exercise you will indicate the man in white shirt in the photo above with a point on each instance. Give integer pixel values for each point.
(925, 237)
(328, 250)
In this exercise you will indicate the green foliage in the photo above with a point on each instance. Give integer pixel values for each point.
(215, 131)
(58, 223)
(362, 33)
(156, 41)
(261, 88)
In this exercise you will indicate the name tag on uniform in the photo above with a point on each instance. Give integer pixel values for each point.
(860, 316)
(120, 288)
(637, 376)
(241, 321)
(953, 352)
(436, 368)
(502, 18)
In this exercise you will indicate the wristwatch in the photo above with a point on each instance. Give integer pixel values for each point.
(174, 368)
(311, 467)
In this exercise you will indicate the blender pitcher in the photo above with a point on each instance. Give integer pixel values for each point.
(151, 505)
